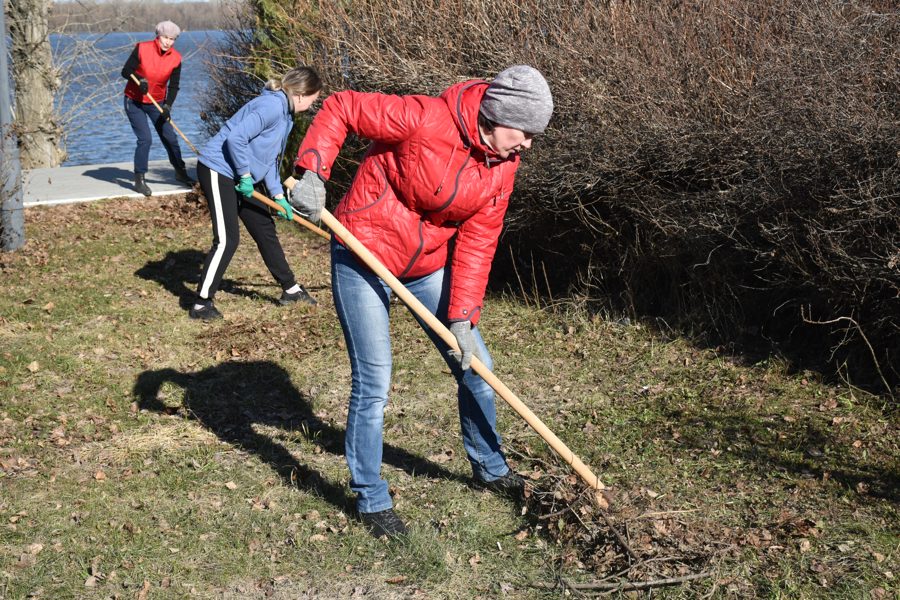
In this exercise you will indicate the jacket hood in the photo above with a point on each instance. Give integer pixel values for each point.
(285, 102)
(464, 101)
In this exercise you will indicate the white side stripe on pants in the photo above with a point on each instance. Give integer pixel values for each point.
(220, 229)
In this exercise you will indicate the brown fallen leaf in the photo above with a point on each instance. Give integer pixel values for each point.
(33, 366)
(395, 580)
(444, 456)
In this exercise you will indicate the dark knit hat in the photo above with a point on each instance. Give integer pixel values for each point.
(168, 29)
(520, 98)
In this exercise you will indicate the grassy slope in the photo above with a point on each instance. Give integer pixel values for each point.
(144, 453)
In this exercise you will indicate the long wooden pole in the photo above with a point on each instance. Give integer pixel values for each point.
(432, 321)
(297, 218)
(184, 137)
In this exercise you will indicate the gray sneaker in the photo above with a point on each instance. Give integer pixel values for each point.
(300, 295)
(207, 312)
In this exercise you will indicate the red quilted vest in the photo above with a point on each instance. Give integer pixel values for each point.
(156, 67)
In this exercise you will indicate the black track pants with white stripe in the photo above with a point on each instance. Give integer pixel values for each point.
(225, 209)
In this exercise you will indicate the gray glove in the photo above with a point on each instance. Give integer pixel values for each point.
(462, 331)
(308, 196)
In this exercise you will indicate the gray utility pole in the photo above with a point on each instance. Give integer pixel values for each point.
(12, 210)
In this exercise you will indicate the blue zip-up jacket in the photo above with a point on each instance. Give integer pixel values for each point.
(252, 141)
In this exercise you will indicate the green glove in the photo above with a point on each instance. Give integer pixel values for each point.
(245, 186)
(288, 213)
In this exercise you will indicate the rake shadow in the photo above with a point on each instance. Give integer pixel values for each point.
(229, 398)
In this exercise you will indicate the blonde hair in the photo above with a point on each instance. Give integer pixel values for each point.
(301, 81)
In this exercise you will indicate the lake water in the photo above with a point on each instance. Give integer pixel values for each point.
(90, 99)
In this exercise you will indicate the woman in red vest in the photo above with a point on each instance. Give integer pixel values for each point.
(157, 65)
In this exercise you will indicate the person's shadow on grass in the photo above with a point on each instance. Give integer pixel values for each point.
(231, 398)
(179, 267)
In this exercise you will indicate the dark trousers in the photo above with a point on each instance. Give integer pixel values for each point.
(226, 206)
(138, 114)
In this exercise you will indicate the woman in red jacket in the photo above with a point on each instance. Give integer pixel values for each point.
(439, 169)
(157, 65)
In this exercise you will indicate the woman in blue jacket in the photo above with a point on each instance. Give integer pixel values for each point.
(246, 151)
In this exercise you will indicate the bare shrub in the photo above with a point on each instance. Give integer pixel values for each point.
(730, 167)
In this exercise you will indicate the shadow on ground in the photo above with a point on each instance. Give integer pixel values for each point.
(122, 177)
(179, 273)
(230, 398)
(803, 448)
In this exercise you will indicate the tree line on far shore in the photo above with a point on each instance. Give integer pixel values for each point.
(131, 15)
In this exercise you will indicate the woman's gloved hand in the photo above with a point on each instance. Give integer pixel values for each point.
(288, 214)
(308, 196)
(462, 331)
(245, 186)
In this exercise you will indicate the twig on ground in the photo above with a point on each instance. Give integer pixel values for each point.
(618, 536)
(624, 586)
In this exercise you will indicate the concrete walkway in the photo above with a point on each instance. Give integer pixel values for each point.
(83, 183)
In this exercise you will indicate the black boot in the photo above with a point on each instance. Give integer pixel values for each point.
(182, 176)
(385, 523)
(510, 485)
(141, 185)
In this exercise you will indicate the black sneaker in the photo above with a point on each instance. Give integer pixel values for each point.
(207, 312)
(300, 295)
(384, 523)
(510, 485)
(140, 185)
(182, 176)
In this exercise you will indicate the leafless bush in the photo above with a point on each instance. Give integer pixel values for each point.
(717, 163)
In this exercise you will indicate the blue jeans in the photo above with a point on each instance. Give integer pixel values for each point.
(362, 301)
(138, 114)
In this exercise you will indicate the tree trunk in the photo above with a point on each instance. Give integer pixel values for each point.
(12, 213)
(39, 131)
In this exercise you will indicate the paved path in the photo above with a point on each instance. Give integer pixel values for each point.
(65, 185)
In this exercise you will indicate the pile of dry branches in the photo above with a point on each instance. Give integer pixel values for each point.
(729, 167)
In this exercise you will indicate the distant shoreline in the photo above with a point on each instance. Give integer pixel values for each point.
(126, 16)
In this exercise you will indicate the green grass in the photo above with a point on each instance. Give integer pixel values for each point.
(142, 452)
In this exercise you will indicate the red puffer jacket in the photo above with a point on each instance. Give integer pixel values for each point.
(426, 177)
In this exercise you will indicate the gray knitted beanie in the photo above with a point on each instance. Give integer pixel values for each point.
(520, 98)
(168, 29)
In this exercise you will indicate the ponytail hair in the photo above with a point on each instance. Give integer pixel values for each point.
(302, 81)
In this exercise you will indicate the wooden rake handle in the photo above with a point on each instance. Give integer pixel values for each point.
(435, 324)
(184, 137)
(297, 218)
